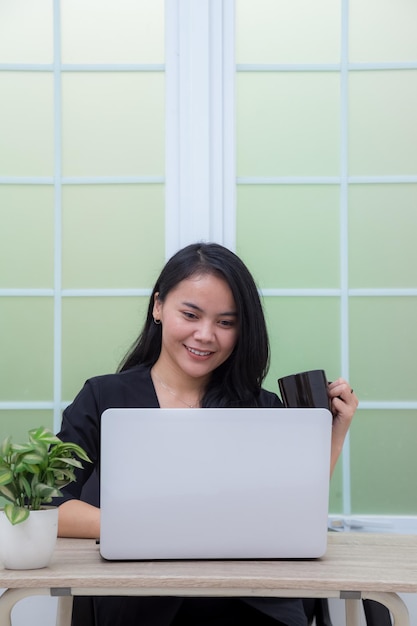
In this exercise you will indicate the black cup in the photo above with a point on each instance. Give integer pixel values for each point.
(305, 390)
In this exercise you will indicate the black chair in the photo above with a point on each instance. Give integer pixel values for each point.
(317, 609)
(376, 614)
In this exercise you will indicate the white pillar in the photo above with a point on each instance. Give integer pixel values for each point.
(200, 113)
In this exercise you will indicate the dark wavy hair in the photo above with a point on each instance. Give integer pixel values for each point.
(237, 381)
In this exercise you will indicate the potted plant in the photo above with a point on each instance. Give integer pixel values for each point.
(31, 474)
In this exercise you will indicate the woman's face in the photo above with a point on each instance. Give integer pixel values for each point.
(199, 325)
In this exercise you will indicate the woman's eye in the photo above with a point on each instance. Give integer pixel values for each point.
(227, 323)
(189, 315)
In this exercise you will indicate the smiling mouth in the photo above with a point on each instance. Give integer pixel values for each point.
(199, 352)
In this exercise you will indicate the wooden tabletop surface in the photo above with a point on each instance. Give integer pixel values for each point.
(353, 562)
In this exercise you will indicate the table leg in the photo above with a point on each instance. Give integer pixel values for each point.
(64, 611)
(353, 612)
(11, 596)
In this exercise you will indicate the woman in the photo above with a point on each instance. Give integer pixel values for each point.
(204, 344)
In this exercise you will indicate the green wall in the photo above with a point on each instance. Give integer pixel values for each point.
(326, 206)
(327, 216)
(82, 208)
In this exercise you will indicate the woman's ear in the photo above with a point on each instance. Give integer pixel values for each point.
(157, 305)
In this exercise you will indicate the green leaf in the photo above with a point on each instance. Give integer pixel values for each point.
(45, 491)
(66, 461)
(34, 458)
(74, 448)
(16, 514)
(22, 467)
(6, 476)
(55, 474)
(6, 446)
(22, 447)
(25, 486)
(63, 481)
(8, 492)
(43, 435)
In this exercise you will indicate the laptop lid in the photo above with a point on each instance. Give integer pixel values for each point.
(214, 483)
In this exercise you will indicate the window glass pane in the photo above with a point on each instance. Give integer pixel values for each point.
(26, 355)
(26, 236)
(304, 334)
(287, 124)
(298, 227)
(97, 332)
(26, 31)
(123, 224)
(382, 131)
(113, 124)
(383, 444)
(26, 124)
(383, 345)
(382, 232)
(336, 489)
(382, 31)
(277, 31)
(105, 31)
(17, 423)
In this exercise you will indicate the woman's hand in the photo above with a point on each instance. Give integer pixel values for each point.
(344, 404)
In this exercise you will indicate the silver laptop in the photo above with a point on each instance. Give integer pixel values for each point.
(214, 483)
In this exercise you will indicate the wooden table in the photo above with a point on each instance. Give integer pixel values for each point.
(355, 567)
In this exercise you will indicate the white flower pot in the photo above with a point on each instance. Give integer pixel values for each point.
(30, 544)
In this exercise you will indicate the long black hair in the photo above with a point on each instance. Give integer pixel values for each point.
(238, 380)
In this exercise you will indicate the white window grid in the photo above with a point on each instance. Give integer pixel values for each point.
(220, 43)
(199, 153)
(344, 180)
(58, 181)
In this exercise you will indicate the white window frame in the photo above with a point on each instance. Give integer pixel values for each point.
(200, 113)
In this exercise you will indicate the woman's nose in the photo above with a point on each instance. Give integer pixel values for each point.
(204, 331)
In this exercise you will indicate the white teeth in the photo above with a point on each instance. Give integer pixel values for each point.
(198, 353)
